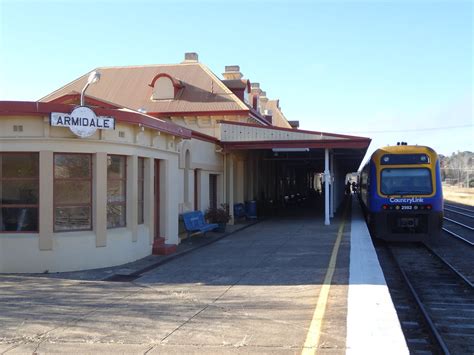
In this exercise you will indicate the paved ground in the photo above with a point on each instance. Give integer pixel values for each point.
(254, 291)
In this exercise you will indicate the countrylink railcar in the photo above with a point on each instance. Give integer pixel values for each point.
(400, 191)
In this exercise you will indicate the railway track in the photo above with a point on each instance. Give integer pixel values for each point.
(463, 208)
(435, 304)
(459, 223)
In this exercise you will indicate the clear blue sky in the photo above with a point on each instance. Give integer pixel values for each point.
(389, 70)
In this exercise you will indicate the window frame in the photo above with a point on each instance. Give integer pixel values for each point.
(141, 199)
(90, 204)
(213, 190)
(37, 206)
(429, 177)
(124, 182)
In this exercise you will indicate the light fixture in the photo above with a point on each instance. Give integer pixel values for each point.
(282, 150)
(93, 78)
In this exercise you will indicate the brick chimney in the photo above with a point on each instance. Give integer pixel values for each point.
(232, 72)
(254, 94)
(255, 88)
(191, 57)
(263, 99)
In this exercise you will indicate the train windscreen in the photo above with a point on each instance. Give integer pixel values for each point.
(406, 181)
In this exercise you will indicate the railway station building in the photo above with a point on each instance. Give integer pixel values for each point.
(104, 183)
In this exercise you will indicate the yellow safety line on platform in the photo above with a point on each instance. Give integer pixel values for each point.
(314, 331)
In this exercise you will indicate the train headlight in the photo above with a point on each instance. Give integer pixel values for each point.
(428, 207)
(397, 207)
(415, 207)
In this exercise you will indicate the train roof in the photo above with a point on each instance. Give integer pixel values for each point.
(404, 149)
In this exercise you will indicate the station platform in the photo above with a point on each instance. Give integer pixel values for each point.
(284, 285)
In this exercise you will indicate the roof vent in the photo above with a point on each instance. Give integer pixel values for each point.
(191, 57)
(232, 72)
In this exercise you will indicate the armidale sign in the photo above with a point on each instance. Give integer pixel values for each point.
(82, 121)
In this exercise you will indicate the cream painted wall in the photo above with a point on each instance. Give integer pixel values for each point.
(203, 157)
(101, 247)
(163, 89)
(19, 253)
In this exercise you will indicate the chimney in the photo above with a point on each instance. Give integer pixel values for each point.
(232, 72)
(254, 94)
(255, 88)
(190, 57)
(263, 97)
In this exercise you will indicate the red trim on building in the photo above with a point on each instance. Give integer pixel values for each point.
(176, 83)
(205, 137)
(132, 117)
(292, 130)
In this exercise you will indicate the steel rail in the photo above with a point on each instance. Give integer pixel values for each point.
(458, 236)
(462, 214)
(459, 223)
(460, 208)
(422, 308)
(451, 267)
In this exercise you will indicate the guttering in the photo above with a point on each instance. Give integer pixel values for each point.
(205, 137)
(321, 144)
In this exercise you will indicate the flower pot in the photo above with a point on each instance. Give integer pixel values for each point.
(221, 227)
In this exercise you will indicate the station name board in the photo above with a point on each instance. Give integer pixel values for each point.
(82, 121)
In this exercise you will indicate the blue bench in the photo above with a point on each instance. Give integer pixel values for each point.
(194, 223)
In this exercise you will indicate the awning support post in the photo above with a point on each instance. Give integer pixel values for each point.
(327, 177)
(332, 172)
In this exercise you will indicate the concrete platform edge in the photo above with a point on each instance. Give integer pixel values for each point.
(372, 322)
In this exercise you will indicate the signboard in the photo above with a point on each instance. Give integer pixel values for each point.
(82, 121)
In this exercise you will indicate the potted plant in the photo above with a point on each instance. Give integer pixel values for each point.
(219, 215)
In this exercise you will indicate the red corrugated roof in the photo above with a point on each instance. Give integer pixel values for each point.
(129, 87)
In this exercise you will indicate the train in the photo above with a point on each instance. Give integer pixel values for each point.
(401, 194)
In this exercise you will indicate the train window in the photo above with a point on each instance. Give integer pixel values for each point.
(406, 181)
(399, 159)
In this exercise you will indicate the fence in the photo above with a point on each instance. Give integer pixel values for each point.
(457, 177)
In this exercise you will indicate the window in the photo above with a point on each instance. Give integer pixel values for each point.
(141, 191)
(72, 192)
(406, 181)
(19, 192)
(116, 191)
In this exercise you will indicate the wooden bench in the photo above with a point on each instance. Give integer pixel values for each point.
(194, 223)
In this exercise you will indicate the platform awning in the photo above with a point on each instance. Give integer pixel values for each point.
(319, 150)
(244, 136)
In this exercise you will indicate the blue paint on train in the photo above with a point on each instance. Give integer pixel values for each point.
(400, 190)
(376, 202)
